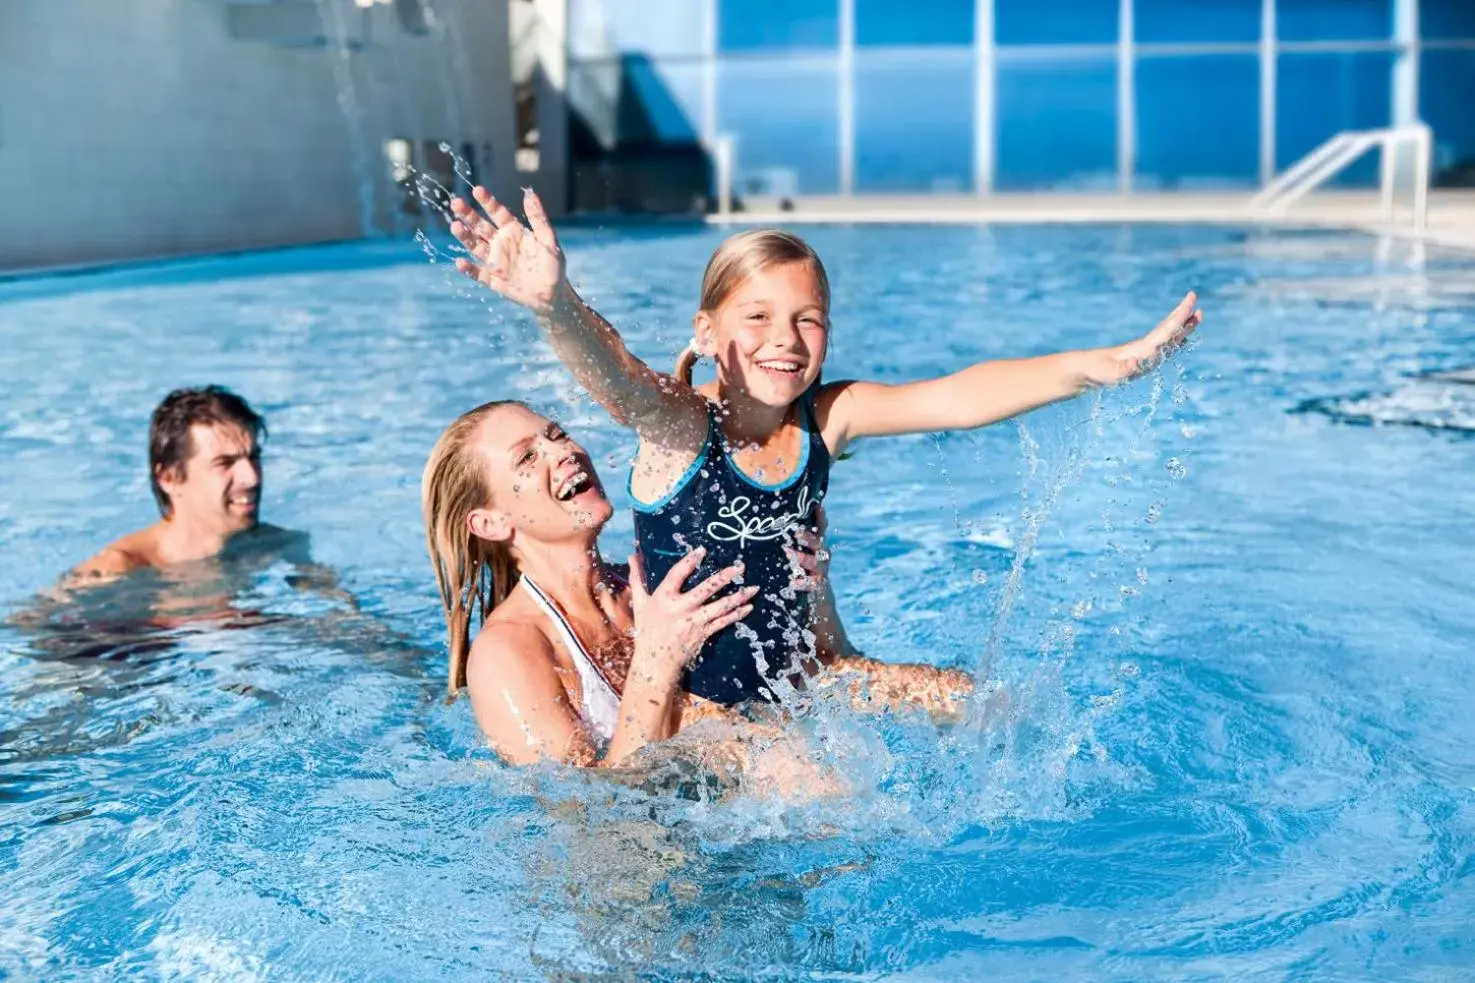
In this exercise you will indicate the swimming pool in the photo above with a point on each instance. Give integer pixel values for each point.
(1233, 630)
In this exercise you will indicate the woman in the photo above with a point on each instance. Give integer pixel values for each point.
(574, 660)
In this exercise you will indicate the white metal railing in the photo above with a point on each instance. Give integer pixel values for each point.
(1327, 160)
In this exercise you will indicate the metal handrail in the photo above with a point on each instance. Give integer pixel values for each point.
(1327, 160)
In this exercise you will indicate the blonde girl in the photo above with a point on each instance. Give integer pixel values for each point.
(739, 463)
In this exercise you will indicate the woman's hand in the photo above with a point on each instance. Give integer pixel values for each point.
(521, 262)
(671, 624)
(1136, 358)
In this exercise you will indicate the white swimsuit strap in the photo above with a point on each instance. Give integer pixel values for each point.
(601, 702)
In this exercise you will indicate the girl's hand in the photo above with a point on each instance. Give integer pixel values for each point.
(1136, 358)
(809, 561)
(671, 625)
(521, 262)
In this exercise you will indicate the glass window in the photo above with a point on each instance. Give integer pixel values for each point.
(914, 121)
(660, 28)
(763, 25)
(1447, 20)
(1446, 84)
(784, 116)
(899, 22)
(659, 102)
(1055, 21)
(1198, 122)
(1174, 21)
(1320, 95)
(1334, 20)
(1056, 124)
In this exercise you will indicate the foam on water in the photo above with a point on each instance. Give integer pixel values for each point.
(1438, 402)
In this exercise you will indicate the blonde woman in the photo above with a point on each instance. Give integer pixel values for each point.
(574, 660)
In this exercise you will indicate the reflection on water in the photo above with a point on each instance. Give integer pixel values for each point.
(106, 655)
(1437, 401)
(1226, 643)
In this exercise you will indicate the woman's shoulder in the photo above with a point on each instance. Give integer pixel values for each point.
(514, 630)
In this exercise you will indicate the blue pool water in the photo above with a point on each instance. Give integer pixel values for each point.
(1229, 630)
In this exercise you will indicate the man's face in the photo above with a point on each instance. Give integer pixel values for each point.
(220, 485)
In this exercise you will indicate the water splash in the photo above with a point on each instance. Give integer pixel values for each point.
(1033, 519)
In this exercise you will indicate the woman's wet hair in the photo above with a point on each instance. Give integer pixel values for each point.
(474, 574)
(169, 430)
(739, 257)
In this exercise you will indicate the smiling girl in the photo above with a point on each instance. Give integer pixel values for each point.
(737, 464)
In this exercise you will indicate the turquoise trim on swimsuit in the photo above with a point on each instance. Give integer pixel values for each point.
(803, 455)
(806, 417)
(681, 483)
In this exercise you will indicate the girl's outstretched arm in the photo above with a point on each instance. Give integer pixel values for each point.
(992, 391)
(525, 264)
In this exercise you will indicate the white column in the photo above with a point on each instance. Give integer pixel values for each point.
(1126, 98)
(552, 95)
(1406, 65)
(709, 72)
(1268, 55)
(847, 97)
(985, 135)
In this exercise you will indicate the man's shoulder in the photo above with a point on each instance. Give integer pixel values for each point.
(132, 552)
(277, 542)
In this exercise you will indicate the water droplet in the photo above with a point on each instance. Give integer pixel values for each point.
(1175, 467)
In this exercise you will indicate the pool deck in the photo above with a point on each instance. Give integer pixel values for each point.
(1451, 212)
(1451, 217)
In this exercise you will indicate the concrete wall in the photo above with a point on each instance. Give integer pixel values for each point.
(163, 127)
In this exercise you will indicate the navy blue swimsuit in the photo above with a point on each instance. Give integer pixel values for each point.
(717, 506)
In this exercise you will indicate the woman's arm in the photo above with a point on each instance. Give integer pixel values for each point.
(520, 701)
(526, 265)
(992, 391)
(871, 685)
(881, 686)
(523, 706)
(670, 627)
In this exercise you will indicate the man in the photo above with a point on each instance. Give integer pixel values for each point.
(205, 467)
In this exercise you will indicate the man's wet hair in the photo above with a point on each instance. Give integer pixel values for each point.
(169, 429)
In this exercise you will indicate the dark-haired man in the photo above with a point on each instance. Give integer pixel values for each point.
(205, 467)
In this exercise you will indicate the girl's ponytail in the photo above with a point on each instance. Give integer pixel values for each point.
(685, 362)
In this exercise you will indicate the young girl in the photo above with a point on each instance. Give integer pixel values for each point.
(735, 465)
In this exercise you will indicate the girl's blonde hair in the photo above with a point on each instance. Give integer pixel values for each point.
(739, 257)
(474, 575)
